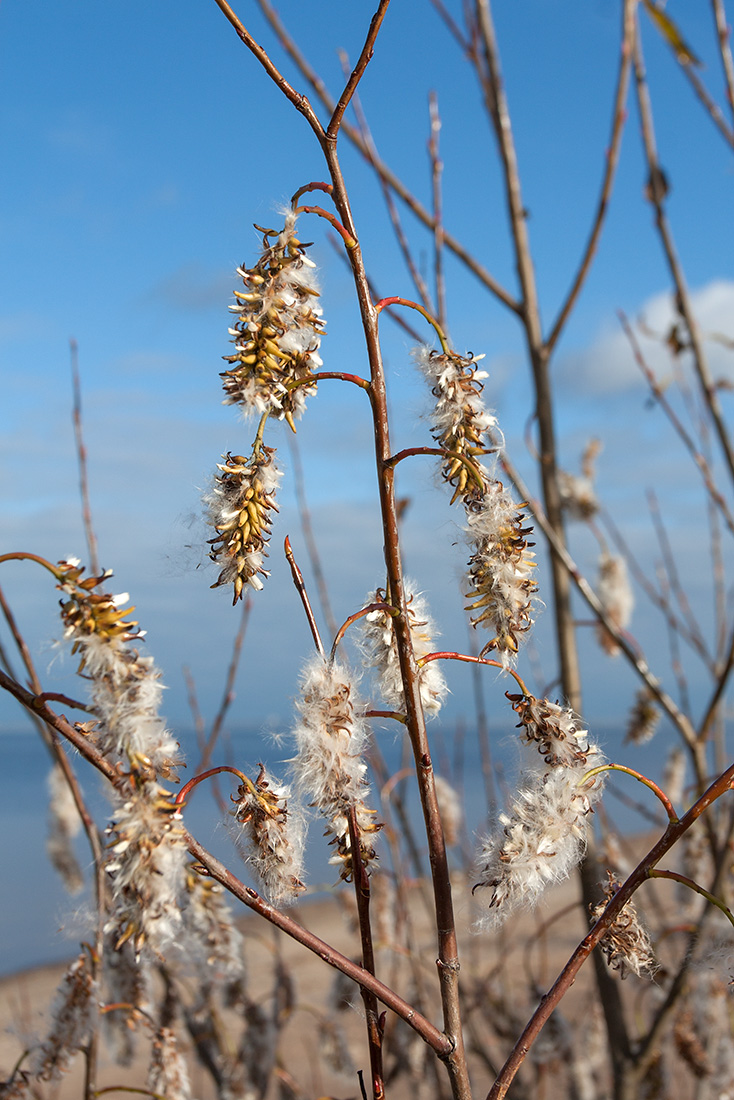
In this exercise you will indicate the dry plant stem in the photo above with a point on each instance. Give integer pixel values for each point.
(679, 720)
(308, 536)
(428, 1032)
(436, 172)
(61, 725)
(301, 589)
(81, 454)
(392, 211)
(656, 194)
(690, 445)
(672, 815)
(379, 166)
(228, 696)
(612, 160)
(362, 895)
(539, 356)
(723, 32)
(563, 982)
(675, 877)
(653, 594)
(448, 961)
(379, 606)
(449, 655)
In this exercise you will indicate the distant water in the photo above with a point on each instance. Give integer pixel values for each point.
(41, 923)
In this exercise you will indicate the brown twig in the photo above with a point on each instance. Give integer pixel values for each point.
(308, 535)
(362, 896)
(698, 457)
(723, 33)
(610, 169)
(436, 173)
(392, 211)
(656, 193)
(565, 979)
(358, 72)
(301, 589)
(428, 1032)
(379, 166)
(81, 454)
(299, 101)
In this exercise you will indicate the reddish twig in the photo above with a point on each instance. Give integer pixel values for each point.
(301, 589)
(565, 979)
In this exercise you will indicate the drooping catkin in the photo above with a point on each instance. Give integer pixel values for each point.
(459, 419)
(501, 569)
(239, 508)
(329, 768)
(277, 331)
(147, 852)
(275, 830)
(501, 564)
(615, 594)
(72, 1019)
(544, 835)
(626, 942)
(381, 653)
(63, 825)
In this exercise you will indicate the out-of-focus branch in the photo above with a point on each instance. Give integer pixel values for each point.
(723, 33)
(698, 457)
(428, 1032)
(436, 173)
(671, 836)
(612, 159)
(81, 453)
(379, 166)
(656, 192)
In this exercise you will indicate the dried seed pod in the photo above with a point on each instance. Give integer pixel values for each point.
(240, 507)
(278, 330)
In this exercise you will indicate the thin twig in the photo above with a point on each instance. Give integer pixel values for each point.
(436, 173)
(379, 166)
(428, 1032)
(362, 896)
(358, 72)
(698, 457)
(301, 589)
(656, 193)
(610, 168)
(723, 33)
(565, 979)
(308, 536)
(81, 455)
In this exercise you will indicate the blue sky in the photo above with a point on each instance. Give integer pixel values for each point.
(142, 141)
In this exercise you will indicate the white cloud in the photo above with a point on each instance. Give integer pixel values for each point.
(608, 366)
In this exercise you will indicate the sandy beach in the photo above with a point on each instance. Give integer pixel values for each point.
(316, 1036)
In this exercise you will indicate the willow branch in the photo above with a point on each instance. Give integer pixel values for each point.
(612, 160)
(428, 1032)
(299, 101)
(565, 979)
(379, 166)
(656, 193)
